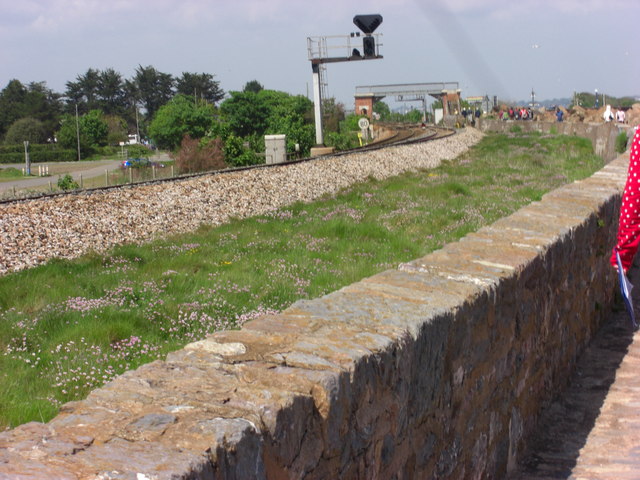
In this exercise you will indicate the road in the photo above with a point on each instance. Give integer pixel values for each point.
(89, 169)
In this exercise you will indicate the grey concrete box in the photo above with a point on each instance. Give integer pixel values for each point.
(275, 147)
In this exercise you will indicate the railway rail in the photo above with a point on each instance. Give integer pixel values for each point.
(401, 134)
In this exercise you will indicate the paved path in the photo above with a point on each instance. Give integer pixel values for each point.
(592, 431)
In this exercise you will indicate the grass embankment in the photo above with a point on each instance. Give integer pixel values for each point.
(70, 326)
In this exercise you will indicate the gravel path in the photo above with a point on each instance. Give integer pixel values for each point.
(32, 232)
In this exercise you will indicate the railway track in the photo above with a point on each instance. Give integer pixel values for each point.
(401, 134)
(33, 231)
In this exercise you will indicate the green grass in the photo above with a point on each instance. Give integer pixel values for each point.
(69, 326)
(11, 173)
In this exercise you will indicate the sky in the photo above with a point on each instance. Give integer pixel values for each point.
(507, 48)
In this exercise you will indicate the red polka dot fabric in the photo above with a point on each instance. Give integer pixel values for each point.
(629, 225)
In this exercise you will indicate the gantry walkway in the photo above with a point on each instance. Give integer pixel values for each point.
(592, 431)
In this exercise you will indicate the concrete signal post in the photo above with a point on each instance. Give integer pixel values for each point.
(340, 48)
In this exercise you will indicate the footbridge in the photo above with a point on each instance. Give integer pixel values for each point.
(447, 92)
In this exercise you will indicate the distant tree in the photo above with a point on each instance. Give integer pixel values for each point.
(624, 102)
(245, 113)
(289, 115)
(111, 93)
(382, 109)
(249, 115)
(45, 105)
(12, 104)
(413, 116)
(117, 129)
(74, 96)
(93, 132)
(136, 119)
(93, 124)
(83, 92)
(35, 101)
(200, 86)
(26, 129)
(154, 88)
(180, 117)
(67, 136)
(253, 86)
(332, 114)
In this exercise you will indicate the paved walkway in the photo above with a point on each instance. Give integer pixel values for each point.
(592, 432)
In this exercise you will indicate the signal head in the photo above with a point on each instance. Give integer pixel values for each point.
(367, 23)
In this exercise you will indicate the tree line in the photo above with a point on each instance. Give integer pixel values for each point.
(100, 108)
(103, 107)
(42, 110)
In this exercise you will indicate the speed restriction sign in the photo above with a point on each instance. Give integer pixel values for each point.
(363, 123)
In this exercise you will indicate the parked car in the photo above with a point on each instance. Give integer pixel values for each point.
(136, 163)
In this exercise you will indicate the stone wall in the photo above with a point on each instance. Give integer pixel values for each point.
(602, 135)
(436, 369)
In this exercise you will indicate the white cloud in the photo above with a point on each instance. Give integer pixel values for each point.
(509, 9)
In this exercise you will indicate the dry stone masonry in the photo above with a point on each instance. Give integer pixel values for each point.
(435, 369)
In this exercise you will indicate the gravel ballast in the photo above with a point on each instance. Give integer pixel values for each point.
(34, 231)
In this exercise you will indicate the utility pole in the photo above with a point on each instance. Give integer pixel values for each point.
(78, 131)
(137, 126)
(27, 160)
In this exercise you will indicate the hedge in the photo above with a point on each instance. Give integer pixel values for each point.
(37, 153)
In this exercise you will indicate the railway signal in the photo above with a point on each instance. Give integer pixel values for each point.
(368, 25)
(319, 55)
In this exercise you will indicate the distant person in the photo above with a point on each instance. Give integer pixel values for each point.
(629, 223)
(608, 114)
(620, 116)
(559, 114)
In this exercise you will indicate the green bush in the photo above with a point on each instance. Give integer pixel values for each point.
(67, 182)
(341, 141)
(138, 151)
(621, 142)
(26, 128)
(350, 123)
(236, 155)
